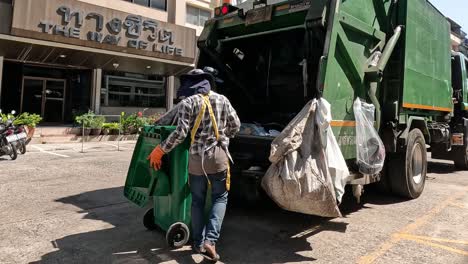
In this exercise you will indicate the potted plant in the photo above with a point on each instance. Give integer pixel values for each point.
(114, 128)
(128, 123)
(154, 118)
(30, 121)
(141, 121)
(96, 125)
(86, 122)
(133, 123)
(106, 127)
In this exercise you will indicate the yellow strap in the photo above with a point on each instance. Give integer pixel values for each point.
(198, 122)
(212, 116)
(228, 177)
(206, 103)
(216, 131)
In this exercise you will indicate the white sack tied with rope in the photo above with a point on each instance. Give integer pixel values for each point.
(308, 172)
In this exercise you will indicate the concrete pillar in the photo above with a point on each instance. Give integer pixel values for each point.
(170, 88)
(177, 11)
(1, 79)
(96, 91)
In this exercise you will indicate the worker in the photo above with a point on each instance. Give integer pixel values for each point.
(211, 121)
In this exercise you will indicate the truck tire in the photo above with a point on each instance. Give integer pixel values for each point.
(407, 170)
(460, 157)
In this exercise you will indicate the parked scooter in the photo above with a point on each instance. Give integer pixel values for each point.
(21, 136)
(7, 137)
(20, 133)
(21, 143)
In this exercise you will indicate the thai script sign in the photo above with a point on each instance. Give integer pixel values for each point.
(84, 24)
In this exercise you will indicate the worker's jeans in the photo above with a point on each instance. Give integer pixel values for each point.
(210, 230)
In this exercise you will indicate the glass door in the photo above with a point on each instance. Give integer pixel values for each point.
(32, 96)
(45, 97)
(54, 100)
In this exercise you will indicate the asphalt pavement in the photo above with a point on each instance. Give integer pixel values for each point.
(59, 205)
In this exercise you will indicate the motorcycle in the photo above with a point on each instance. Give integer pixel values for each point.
(20, 133)
(7, 137)
(21, 143)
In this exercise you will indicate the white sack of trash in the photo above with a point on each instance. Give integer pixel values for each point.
(308, 172)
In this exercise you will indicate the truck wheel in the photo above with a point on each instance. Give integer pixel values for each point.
(148, 220)
(460, 158)
(408, 170)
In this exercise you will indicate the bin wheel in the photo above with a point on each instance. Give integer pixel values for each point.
(148, 220)
(177, 235)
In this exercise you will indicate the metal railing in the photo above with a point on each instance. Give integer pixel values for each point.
(105, 116)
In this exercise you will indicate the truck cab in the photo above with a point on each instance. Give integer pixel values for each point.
(460, 83)
(455, 148)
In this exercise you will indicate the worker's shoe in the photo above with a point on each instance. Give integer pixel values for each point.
(199, 249)
(210, 252)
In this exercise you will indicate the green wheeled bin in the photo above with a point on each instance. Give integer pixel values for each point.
(168, 188)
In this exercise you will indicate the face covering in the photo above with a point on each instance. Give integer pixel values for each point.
(192, 87)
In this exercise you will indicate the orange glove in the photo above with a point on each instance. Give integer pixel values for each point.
(155, 157)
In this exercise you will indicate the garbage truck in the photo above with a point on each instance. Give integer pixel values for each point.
(393, 54)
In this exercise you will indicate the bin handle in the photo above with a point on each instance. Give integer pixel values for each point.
(156, 179)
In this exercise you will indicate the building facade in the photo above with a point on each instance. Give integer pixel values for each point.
(458, 36)
(59, 58)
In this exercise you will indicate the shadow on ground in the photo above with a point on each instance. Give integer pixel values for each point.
(252, 232)
(440, 167)
(250, 235)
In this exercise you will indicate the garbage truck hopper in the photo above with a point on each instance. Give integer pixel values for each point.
(394, 55)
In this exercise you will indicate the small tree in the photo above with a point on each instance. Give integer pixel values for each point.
(86, 120)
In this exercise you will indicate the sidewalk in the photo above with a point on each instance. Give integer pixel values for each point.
(68, 134)
(59, 149)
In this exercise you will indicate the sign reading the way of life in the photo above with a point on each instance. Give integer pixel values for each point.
(79, 23)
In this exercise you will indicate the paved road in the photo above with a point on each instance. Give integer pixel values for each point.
(61, 206)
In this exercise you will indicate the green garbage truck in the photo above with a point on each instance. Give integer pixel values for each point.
(393, 54)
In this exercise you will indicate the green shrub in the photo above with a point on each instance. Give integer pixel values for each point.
(111, 126)
(27, 119)
(86, 120)
(98, 122)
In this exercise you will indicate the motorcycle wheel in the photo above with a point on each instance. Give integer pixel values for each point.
(13, 153)
(22, 147)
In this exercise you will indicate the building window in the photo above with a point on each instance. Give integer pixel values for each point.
(238, 2)
(133, 92)
(197, 16)
(156, 4)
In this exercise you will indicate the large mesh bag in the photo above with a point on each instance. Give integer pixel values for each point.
(298, 179)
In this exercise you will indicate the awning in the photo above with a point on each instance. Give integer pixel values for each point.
(33, 51)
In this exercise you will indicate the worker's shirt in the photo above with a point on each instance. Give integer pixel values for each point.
(205, 138)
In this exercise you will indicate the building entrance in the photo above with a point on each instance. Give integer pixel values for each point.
(44, 96)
